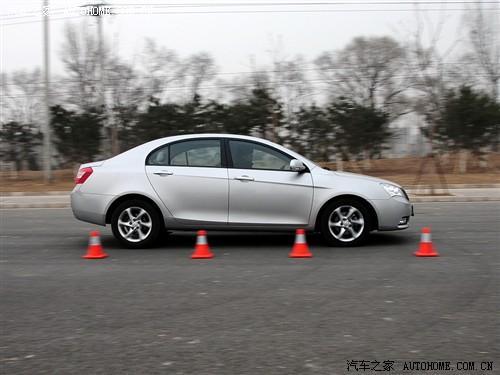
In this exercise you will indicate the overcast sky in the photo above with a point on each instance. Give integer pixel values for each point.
(232, 34)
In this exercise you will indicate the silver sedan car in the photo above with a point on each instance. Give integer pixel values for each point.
(231, 182)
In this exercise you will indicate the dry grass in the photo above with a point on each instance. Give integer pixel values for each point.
(402, 170)
(405, 170)
(32, 181)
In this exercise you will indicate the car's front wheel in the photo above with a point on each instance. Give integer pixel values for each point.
(136, 224)
(345, 222)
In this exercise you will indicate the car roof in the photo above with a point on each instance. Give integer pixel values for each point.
(210, 135)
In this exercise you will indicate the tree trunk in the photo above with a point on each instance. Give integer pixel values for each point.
(483, 159)
(463, 156)
(366, 161)
(339, 163)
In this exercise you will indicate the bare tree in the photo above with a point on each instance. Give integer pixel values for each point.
(21, 108)
(80, 57)
(369, 71)
(240, 87)
(288, 83)
(292, 88)
(124, 84)
(4, 96)
(429, 72)
(200, 68)
(125, 95)
(161, 68)
(22, 99)
(288, 76)
(484, 39)
(291, 83)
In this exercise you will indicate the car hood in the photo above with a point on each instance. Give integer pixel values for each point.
(363, 177)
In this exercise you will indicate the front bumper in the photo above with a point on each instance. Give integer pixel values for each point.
(393, 213)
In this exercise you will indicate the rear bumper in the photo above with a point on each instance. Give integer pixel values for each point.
(90, 207)
(393, 213)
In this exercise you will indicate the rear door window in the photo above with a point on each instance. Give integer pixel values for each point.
(196, 153)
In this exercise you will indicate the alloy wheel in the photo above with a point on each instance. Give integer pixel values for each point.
(346, 223)
(134, 224)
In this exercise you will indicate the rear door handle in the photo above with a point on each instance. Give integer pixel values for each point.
(163, 173)
(244, 178)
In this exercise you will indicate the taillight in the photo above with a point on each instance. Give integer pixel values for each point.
(83, 174)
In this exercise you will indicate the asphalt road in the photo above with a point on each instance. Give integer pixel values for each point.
(250, 310)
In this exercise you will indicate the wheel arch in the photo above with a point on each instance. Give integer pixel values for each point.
(112, 207)
(357, 198)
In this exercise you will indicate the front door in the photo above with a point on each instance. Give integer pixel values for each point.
(263, 189)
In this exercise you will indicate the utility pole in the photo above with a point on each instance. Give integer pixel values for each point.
(102, 95)
(102, 101)
(109, 130)
(46, 62)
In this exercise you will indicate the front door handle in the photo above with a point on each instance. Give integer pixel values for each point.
(163, 173)
(244, 178)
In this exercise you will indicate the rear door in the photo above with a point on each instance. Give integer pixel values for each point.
(263, 189)
(191, 179)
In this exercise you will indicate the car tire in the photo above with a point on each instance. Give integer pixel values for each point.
(136, 224)
(345, 222)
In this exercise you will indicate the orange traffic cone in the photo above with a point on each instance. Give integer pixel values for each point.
(300, 248)
(202, 250)
(94, 251)
(426, 248)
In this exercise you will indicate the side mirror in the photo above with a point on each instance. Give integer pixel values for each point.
(297, 166)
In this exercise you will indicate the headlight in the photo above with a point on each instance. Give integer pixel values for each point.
(393, 190)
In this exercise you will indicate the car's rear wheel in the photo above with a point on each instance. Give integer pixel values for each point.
(345, 222)
(136, 224)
